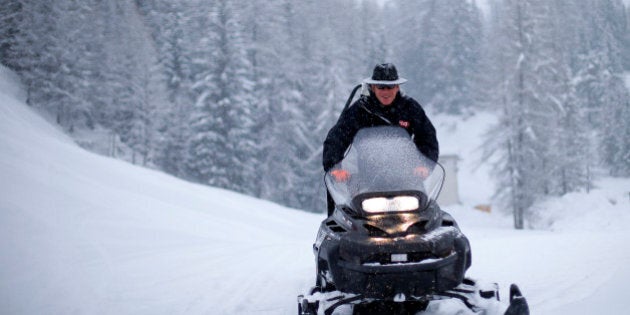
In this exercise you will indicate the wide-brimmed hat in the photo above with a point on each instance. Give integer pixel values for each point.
(385, 73)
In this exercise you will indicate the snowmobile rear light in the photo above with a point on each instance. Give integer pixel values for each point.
(393, 204)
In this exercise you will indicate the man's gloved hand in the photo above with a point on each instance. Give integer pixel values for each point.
(340, 175)
(421, 171)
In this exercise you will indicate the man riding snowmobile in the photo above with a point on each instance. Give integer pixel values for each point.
(382, 105)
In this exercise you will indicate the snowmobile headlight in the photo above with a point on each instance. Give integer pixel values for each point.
(394, 204)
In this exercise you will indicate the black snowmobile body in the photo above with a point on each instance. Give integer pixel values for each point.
(381, 256)
(388, 242)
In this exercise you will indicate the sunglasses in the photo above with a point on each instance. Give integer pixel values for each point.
(384, 86)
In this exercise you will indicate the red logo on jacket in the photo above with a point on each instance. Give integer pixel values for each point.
(403, 123)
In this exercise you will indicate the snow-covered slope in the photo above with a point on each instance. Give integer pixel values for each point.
(86, 234)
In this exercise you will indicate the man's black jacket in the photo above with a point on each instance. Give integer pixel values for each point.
(368, 112)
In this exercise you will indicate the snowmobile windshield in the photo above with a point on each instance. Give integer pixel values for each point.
(384, 172)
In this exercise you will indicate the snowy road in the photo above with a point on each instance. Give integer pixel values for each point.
(560, 273)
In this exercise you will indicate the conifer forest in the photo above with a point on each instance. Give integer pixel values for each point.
(240, 94)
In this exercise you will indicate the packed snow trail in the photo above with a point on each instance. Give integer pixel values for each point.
(86, 234)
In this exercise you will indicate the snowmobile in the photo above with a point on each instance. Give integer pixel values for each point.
(388, 248)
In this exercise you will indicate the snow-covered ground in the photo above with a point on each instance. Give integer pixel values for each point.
(86, 234)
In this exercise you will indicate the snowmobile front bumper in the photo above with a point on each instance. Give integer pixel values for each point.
(412, 279)
(413, 265)
(426, 265)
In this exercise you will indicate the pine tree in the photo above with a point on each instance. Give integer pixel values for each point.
(240, 94)
(454, 93)
(221, 147)
(516, 138)
(627, 41)
(289, 146)
(171, 34)
(130, 88)
(371, 40)
(441, 42)
(267, 52)
(554, 98)
(599, 68)
(53, 75)
(9, 20)
(570, 145)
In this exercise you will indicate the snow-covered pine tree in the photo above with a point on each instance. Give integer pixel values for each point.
(304, 62)
(440, 42)
(268, 52)
(615, 131)
(171, 33)
(600, 82)
(130, 83)
(154, 104)
(554, 98)
(516, 138)
(9, 20)
(626, 54)
(288, 162)
(207, 136)
(70, 28)
(408, 31)
(42, 33)
(323, 85)
(566, 158)
(460, 65)
(222, 144)
(369, 36)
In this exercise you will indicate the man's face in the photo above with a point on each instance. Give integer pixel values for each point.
(385, 93)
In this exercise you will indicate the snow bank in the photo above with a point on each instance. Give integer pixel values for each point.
(605, 208)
